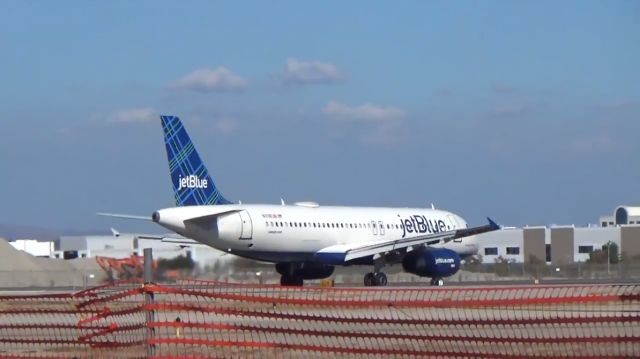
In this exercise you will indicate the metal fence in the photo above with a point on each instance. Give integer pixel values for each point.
(208, 319)
(620, 271)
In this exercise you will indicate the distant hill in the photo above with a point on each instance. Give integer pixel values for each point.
(14, 231)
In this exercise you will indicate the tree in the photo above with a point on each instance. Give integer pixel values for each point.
(613, 252)
(600, 255)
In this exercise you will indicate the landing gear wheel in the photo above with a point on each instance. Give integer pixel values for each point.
(291, 281)
(380, 279)
(437, 282)
(369, 279)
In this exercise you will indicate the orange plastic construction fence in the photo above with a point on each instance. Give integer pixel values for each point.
(207, 319)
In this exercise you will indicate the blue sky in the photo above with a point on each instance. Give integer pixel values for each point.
(526, 112)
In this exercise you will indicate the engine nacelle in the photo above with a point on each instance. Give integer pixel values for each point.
(306, 270)
(432, 262)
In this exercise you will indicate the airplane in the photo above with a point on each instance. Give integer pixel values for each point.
(305, 240)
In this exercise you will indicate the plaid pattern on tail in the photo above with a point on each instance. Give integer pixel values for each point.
(192, 184)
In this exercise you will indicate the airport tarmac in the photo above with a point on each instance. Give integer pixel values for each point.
(413, 284)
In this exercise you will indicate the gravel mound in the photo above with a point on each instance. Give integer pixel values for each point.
(19, 269)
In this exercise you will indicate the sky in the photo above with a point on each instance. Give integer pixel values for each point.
(527, 112)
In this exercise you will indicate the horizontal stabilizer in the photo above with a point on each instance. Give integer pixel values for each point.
(125, 216)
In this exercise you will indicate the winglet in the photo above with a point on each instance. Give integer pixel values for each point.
(494, 226)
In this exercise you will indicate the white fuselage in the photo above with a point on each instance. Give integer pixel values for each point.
(288, 233)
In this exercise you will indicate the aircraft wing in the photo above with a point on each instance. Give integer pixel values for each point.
(341, 253)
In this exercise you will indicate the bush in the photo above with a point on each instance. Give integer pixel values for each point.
(179, 262)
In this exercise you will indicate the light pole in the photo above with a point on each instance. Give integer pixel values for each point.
(608, 258)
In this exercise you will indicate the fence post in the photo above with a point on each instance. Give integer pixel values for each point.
(148, 300)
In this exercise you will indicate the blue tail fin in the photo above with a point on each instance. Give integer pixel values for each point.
(192, 184)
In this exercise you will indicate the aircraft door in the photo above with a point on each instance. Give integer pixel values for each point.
(381, 227)
(247, 225)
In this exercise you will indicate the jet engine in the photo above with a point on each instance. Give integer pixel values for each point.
(305, 270)
(432, 262)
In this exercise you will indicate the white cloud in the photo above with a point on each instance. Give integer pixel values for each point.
(501, 87)
(509, 110)
(226, 126)
(302, 72)
(208, 80)
(132, 115)
(597, 143)
(618, 104)
(366, 112)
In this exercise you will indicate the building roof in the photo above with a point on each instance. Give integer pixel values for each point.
(632, 211)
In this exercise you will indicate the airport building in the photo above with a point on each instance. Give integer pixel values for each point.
(124, 245)
(34, 247)
(623, 215)
(560, 245)
(116, 246)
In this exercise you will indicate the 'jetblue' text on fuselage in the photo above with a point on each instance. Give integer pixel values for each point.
(420, 224)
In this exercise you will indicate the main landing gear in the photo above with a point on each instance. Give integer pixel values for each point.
(375, 279)
(437, 282)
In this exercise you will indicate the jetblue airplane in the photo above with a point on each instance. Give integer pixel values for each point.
(305, 240)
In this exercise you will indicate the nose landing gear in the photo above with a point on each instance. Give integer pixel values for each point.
(437, 282)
